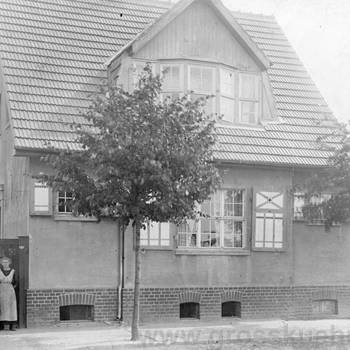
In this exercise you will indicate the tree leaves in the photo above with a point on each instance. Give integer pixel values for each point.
(142, 157)
(335, 179)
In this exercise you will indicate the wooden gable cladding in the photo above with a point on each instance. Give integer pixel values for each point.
(198, 33)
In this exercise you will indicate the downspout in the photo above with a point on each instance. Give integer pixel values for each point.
(2, 211)
(121, 231)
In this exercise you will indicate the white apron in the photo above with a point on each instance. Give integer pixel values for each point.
(8, 306)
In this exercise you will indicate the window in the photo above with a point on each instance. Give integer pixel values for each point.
(269, 220)
(76, 313)
(299, 202)
(231, 309)
(189, 310)
(227, 97)
(234, 95)
(65, 202)
(222, 223)
(313, 205)
(202, 83)
(325, 307)
(155, 234)
(172, 77)
(41, 197)
(41, 203)
(248, 98)
(136, 71)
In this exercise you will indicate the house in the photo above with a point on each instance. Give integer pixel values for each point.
(255, 257)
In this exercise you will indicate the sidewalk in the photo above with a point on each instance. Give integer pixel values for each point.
(107, 336)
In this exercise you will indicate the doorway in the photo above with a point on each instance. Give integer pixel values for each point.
(18, 251)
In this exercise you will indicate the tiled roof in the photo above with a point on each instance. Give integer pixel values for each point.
(53, 53)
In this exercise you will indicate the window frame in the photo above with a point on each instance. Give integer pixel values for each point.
(255, 100)
(35, 183)
(156, 247)
(316, 222)
(224, 95)
(221, 248)
(284, 217)
(58, 197)
(216, 90)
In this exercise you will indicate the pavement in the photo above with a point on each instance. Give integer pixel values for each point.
(108, 336)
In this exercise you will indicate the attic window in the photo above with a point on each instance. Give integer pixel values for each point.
(248, 98)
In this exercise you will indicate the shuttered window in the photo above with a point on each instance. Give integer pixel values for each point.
(41, 203)
(269, 220)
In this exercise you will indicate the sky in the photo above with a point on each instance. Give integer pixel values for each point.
(319, 31)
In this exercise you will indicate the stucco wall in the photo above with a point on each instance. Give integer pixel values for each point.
(71, 254)
(322, 257)
(67, 254)
(168, 269)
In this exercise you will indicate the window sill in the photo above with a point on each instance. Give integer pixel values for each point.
(270, 250)
(69, 217)
(204, 251)
(40, 214)
(147, 248)
(304, 221)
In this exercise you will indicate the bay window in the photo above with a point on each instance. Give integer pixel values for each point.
(235, 95)
(221, 224)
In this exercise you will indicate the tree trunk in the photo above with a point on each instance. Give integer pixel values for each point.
(135, 315)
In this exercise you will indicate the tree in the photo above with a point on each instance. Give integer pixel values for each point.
(335, 180)
(142, 158)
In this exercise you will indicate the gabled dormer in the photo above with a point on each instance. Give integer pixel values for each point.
(199, 47)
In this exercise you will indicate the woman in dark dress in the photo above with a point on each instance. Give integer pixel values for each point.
(8, 305)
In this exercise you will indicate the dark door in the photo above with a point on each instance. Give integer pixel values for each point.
(17, 250)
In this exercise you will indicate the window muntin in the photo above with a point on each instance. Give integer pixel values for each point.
(222, 223)
(300, 200)
(201, 79)
(41, 197)
(172, 75)
(227, 94)
(64, 202)
(248, 98)
(155, 234)
(269, 220)
(234, 95)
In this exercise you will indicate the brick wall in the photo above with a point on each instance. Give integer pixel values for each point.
(43, 305)
(162, 304)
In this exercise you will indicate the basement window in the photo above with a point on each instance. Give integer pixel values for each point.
(325, 307)
(189, 310)
(76, 313)
(231, 309)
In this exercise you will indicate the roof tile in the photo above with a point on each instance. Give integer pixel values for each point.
(53, 54)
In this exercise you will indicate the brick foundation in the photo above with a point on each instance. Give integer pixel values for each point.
(43, 305)
(162, 304)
